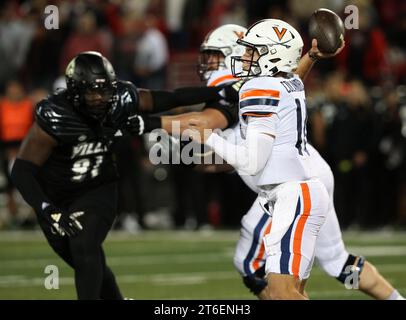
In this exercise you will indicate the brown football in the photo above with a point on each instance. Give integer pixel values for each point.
(328, 28)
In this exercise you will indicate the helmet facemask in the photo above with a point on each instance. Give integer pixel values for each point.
(210, 60)
(92, 85)
(98, 98)
(249, 64)
(217, 48)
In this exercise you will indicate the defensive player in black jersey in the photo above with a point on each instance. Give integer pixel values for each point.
(65, 167)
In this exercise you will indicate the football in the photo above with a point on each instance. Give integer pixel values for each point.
(328, 28)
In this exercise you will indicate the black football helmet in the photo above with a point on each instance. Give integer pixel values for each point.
(91, 84)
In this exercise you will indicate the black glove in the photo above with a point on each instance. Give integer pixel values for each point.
(61, 222)
(230, 92)
(140, 124)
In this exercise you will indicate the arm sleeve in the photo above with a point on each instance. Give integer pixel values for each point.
(165, 100)
(251, 156)
(23, 175)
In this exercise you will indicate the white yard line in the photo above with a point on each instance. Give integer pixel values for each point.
(185, 278)
(130, 260)
(153, 259)
(118, 236)
(158, 279)
(378, 251)
(197, 236)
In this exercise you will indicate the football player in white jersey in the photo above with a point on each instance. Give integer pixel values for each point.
(330, 250)
(331, 254)
(273, 151)
(215, 68)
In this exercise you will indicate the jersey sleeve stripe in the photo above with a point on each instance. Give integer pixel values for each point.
(219, 80)
(257, 114)
(260, 93)
(259, 102)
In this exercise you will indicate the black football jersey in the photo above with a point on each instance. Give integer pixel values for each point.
(83, 157)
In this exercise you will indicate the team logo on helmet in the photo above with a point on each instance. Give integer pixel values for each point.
(239, 34)
(281, 33)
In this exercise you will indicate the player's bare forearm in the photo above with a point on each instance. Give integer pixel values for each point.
(212, 118)
(307, 61)
(304, 66)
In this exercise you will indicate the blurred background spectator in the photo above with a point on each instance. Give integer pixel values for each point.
(356, 101)
(16, 117)
(151, 54)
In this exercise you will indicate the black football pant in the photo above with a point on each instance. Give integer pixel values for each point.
(84, 252)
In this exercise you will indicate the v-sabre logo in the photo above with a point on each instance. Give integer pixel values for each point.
(281, 33)
(239, 34)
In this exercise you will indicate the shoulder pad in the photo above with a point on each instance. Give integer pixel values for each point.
(260, 96)
(220, 77)
(58, 120)
(262, 83)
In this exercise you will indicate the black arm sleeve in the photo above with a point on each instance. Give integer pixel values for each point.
(165, 100)
(23, 176)
(152, 123)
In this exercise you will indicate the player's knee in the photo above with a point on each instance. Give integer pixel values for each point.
(283, 287)
(352, 269)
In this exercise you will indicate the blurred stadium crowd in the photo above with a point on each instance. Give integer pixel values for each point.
(357, 101)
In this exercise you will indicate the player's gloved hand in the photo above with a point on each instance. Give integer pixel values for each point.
(136, 124)
(140, 124)
(230, 92)
(62, 223)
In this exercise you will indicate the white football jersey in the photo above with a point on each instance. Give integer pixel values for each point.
(319, 166)
(285, 99)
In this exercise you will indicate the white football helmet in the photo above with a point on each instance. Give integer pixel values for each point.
(222, 40)
(278, 44)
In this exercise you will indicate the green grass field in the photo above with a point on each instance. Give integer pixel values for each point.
(179, 265)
